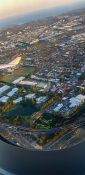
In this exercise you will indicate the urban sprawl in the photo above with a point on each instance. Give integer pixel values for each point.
(42, 82)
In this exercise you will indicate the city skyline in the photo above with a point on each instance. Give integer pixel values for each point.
(10, 8)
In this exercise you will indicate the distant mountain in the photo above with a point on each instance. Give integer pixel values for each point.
(41, 14)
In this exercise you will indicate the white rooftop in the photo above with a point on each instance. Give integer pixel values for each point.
(4, 99)
(4, 88)
(64, 98)
(59, 106)
(30, 96)
(42, 85)
(29, 83)
(18, 100)
(41, 99)
(18, 80)
(12, 92)
(76, 101)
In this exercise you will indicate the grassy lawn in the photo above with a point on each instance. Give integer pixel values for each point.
(23, 71)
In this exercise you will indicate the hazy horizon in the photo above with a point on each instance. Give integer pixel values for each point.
(39, 14)
(10, 8)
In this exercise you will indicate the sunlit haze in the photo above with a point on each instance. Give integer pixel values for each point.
(10, 8)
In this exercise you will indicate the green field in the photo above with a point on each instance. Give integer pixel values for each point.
(22, 71)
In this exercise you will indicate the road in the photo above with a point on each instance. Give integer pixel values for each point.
(63, 138)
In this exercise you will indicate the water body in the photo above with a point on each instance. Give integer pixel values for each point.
(41, 14)
(22, 110)
(23, 162)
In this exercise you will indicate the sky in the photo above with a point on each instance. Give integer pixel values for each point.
(9, 8)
